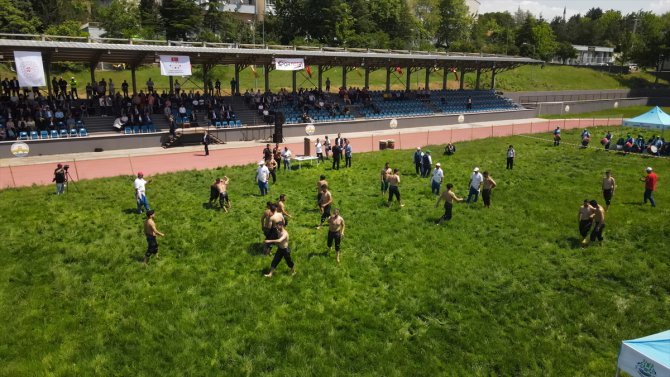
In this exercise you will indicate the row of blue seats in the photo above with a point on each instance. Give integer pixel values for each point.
(54, 134)
(144, 129)
(396, 114)
(229, 124)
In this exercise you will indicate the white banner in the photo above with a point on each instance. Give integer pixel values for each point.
(29, 68)
(288, 64)
(173, 65)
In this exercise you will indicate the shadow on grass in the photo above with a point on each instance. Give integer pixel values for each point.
(639, 204)
(574, 242)
(214, 207)
(130, 211)
(313, 254)
(256, 249)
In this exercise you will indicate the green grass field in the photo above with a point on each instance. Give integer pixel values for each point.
(505, 291)
(622, 112)
(524, 78)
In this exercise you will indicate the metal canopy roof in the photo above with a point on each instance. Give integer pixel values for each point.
(138, 52)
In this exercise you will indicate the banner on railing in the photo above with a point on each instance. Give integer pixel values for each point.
(175, 65)
(29, 68)
(289, 64)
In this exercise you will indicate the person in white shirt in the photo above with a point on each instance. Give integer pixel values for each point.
(511, 153)
(319, 150)
(286, 156)
(438, 176)
(475, 181)
(140, 193)
(262, 175)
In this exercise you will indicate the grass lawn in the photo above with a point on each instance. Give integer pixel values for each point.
(505, 291)
(622, 112)
(524, 78)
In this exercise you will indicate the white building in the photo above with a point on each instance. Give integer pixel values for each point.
(590, 55)
(473, 5)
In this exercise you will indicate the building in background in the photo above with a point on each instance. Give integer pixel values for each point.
(473, 5)
(590, 55)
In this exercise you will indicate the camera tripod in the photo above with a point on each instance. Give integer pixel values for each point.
(68, 179)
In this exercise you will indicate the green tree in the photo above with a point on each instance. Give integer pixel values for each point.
(455, 24)
(150, 19)
(16, 17)
(54, 12)
(181, 18)
(119, 19)
(68, 28)
(565, 51)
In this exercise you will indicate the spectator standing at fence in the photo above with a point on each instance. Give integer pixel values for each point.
(511, 153)
(233, 86)
(112, 89)
(468, 104)
(5, 87)
(347, 153)
(124, 88)
(650, 186)
(557, 136)
(609, 185)
(150, 86)
(177, 87)
(476, 180)
(217, 86)
(15, 87)
(73, 88)
(327, 84)
(418, 155)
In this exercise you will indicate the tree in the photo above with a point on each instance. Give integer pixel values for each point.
(119, 19)
(545, 41)
(566, 51)
(16, 17)
(181, 18)
(55, 12)
(150, 19)
(455, 24)
(67, 28)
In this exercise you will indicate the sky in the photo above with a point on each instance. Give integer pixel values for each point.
(551, 8)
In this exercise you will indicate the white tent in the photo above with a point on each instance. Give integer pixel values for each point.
(646, 357)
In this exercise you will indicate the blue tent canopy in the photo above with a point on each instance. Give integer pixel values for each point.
(655, 118)
(646, 357)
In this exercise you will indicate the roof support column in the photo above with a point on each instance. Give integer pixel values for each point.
(427, 81)
(171, 79)
(133, 79)
(462, 81)
(479, 76)
(319, 76)
(205, 72)
(445, 74)
(493, 78)
(367, 77)
(266, 77)
(91, 67)
(388, 78)
(294, 80)
(236, 92)
(344, 76)
(47, 72)
(408, 79)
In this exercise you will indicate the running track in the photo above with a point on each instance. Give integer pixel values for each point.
(21, 172)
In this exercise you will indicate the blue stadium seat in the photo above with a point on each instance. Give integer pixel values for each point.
(127, 130)
(83, 132)
(63, 133)
(44, 134)
(73, 132)
(136, 129)
(23, 135)
(54, 134)
(34, 135)
(151, 127)
(144, 129)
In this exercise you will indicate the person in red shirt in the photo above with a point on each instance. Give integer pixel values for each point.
(650, 186)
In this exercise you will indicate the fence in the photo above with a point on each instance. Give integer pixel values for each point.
(18, 174)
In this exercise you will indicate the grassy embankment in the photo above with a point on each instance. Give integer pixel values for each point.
(500, 291)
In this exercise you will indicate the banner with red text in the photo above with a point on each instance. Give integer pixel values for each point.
(175, 65)
(289, 64)
(29, 68)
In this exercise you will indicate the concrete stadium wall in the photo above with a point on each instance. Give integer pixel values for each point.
(576, 107)
(531, 97)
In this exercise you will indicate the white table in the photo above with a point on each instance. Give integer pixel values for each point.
(300, 159)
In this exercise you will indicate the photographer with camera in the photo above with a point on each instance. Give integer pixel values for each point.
(60, 177)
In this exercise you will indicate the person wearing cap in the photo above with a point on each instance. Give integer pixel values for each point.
(438, 177)
(609, 185)
(449, 198)
(140, 193)
(59, 178)
(511, 153)
(418, 155)
(262, 175)
(487, 186)
(585, 219)
(650, 186)
(426, 164)
(598, 221)
(151, 232)
(476, 180)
